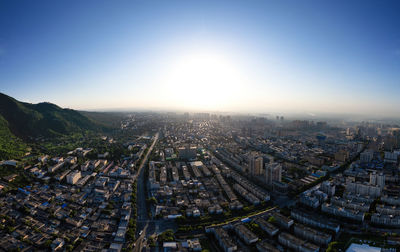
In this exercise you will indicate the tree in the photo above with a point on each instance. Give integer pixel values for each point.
(70, 247)
(48, 243)
(332, 247)
(152, 200)
(272, 219)
(166, 236)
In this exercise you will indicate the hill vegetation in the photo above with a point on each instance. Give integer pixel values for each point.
(27, 120)
(10, 145)
(22, 123)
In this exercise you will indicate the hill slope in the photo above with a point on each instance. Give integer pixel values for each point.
(28, 121)
(10, 145)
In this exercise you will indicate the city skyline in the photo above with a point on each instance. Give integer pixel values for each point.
(260, 57)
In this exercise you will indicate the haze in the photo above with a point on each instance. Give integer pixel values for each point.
(241, 56)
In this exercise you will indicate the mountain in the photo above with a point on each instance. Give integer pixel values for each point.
(21, 121)
(26, 120)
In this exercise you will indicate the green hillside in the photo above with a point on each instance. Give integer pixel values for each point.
(22, 123)
(10, 145)
(29, 121)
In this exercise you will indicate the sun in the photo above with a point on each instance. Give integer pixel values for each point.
(203, 80)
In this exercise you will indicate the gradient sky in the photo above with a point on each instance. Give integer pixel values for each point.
(244, 56)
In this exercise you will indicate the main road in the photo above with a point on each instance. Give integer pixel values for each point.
(142, 217)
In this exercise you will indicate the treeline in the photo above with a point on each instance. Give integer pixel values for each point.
(130, 234)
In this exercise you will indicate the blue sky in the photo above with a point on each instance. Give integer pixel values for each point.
(246, 56)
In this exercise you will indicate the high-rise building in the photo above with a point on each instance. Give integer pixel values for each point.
(377, 179)
(366, 156)
(259, 165)
(372, 178)
(396, 135)
(380, 180)
(273, 172)
(252, 160)
(256, 164)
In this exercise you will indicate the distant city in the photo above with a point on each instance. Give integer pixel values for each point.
(203, 182)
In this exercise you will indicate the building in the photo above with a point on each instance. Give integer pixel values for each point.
(266, 226)
(73, 177)
(387, 209)
(273, 172)
(366, 156)
(314, 220)
(390, 200)
(372, 178)
(296, 244)
(187, 152)
(342, 155)
(55, 167)
(380, 180)
(343, 212)
(245, 234)
(377, 179)
(363, 189)
(309, 199)
(265, 246)
(390, 157)
(386, 220)
(224, 240)
(312, 235)
(193, 244)
(256, 165)
(353, 204)
(328, 187)
(246, 194)
(282, 220)
(57, 244)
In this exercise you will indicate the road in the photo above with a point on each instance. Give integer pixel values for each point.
(142, 217)
(140, 243)
(238, 220)
(146, 156)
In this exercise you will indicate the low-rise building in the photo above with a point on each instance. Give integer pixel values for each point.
(245, 234)
(55, 167)
(264, 246)
(350, 204)
(266, 226)
(343, 212)
(73, 177)
(296, 244)
(282, 220)
(314, 220)
(224, 240)
(386, 220)
(312, 235)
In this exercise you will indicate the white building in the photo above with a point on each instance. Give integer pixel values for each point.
(73, 177)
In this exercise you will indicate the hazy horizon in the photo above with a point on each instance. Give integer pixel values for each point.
(283, 57)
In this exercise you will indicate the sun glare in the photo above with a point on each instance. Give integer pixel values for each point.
(203, 80)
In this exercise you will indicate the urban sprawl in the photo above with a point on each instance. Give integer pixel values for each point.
(200, 181)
